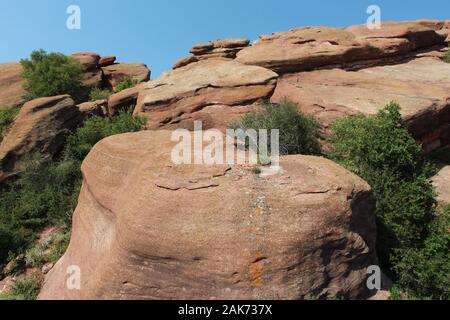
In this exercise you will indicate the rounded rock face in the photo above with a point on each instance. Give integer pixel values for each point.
(42, 126)
(11, 85)
(145, 228)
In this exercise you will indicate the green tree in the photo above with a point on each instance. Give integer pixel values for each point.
(380, 149)
(51, 74)
(126, 83)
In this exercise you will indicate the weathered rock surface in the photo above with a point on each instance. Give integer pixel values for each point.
(115, 73)
(88, 59)
(147, 229)
(123, 99)
(178, 95)
(421, 87)
(309, 48)
(93, 75)
(94, 108)
(41, 126)
(106, 61)
(11, 85)
(441, 183)
(225, 48)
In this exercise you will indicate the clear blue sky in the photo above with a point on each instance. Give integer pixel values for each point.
(158, 32)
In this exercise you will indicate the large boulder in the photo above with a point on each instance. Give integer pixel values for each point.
(421, 87)
(309, 48)
(89, 60)
(224, 48)
(115, 73)
(106, 61)
(206, 90)
(11, 85)
(92, 76)
(41, 126)
(145, 228)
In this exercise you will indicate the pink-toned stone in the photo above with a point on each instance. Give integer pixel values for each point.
(421, 87)
(115, 73)
(11, 85)
(145, 228)
(178, 95)
(309, 48)
(41, 126)
(106, 61)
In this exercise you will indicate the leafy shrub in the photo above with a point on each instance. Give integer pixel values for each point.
(50, 74)
(380, 150)
(97, 128)
(58, 246)
(126, 83)
(99, 94)
(24, 288)
(35, 257)
(6, 118)
(298, 132)
(425, 271)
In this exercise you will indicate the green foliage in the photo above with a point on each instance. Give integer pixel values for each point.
(24, 288)
(380, 149)
(298, 132)
(51, 74)
(97, 128)
(99, 94)
(48, 251)
(255, 170)
(6, 118)
(425, 271)
(126, 83)
(46, 192)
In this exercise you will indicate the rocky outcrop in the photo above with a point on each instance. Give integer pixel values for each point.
(178, 97)
(100, 72)
(310, 48)
(94, 108)
(145, 228)
(11, 85)
(329, 72)
(124, 99)
(441, 183)
(106, 61)
(115, 73)
(421, 87)
(93, 75)
(226, 48)
(41, 126)
(88, 59)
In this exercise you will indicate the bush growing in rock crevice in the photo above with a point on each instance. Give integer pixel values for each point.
(99, 94)
(380, 149)
(298, 132)
(6, 118)
(126, 83)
